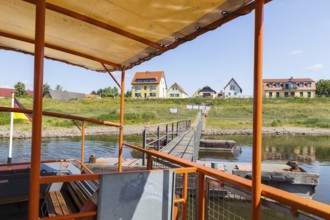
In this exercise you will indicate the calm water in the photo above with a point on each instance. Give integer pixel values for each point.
(312, 152)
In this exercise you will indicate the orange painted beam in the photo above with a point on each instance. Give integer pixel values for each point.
(121, 129)
(257, 112)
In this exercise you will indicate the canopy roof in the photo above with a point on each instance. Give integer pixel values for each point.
(119, 34)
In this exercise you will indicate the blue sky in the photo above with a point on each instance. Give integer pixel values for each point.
(296, 43)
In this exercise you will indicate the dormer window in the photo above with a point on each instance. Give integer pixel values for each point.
(277, 85)
(301, 84)
(309, 84)
(270, 85)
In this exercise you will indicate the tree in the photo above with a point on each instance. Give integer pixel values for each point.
(46, 88)
(20, 90)
(128, 93)
(107, 92)
(59, 88)
(323, 87)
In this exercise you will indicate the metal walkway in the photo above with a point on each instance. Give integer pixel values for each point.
(186, 145)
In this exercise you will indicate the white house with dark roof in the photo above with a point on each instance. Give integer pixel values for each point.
(176, 91)
(149, 85)
(232, 89)
(205, 92)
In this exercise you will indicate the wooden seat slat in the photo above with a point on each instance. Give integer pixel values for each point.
(62, 203)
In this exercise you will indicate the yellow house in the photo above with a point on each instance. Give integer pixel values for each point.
(298, 87)
(176, 91)
(149, 85)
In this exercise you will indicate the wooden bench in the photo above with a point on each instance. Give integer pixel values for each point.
(69, 199)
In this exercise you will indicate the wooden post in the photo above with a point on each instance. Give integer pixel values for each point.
(166, 131)
(34, 194)
(172, 131)
(257, 112)
(201, 196)
(158, 138)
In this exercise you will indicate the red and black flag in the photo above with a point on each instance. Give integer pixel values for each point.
(23, 116)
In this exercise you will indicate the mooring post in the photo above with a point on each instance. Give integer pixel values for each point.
(158, 138)
(166, 131)
(144, 144)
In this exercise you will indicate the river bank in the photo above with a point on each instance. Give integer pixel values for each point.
(24, 131)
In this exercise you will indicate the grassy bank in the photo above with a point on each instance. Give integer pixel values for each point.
(224, 113)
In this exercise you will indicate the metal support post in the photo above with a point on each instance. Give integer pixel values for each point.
(158, 138)
(121, 129)
(144, 144)
(257, 112)
(177, 128)
(82, 144)
(172, 131)
(34, 194)
(166, 132)
(201, 197)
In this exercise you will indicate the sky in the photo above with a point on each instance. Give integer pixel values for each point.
(296, 44)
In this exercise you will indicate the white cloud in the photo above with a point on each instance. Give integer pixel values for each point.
(296, 52)
(315, 67)
(6, 86)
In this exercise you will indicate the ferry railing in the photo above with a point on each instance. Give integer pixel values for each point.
(212, 194)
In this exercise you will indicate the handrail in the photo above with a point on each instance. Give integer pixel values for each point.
(295, 201)
(58, 115)
(165, 123)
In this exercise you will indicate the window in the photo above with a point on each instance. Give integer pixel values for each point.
(145, 87)
(232, 87)
(171, 95)
(137, 88)
(146, 80)
(292, 94)
(309, 94)
(229, 94)
(152, 87)
(176, 95)
(277, 94)
(277, 85)
(286, 94)
(301, 94)
(137, 94)
(309, 84)
(270, 85)
(270, 94)
(152, 94)
(301, 84)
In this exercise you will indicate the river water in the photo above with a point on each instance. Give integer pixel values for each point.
(312, 152)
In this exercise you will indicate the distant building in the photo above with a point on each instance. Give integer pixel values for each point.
(149, 85)
(54, 94)
(298, 87)
(176, 91)
(232, 89)
(205, 92)
(6, 92)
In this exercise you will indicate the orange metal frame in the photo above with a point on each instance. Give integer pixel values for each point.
(257, 189)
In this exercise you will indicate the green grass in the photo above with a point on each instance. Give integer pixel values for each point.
(224, 113)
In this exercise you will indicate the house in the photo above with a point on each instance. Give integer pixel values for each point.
(54, 94)
(149, 85)
(205, 92)
(292, 87)
(6, 92)
(232, 89)
(176, 91)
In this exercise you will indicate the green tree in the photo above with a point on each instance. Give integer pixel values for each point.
(59, 88)
(107, 92)
(20, 90)
(128, 93)
(323, 87)
(46, 88)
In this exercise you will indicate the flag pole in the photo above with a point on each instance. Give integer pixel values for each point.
(9, 160)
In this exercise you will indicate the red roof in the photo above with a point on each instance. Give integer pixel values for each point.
(154, 77)
(6, 92)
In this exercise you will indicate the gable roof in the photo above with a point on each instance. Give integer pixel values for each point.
(155, 75)
(287, 80)
(232, 79)
(207, 89)
(6, 92)
(179, 87)
(65, 95)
